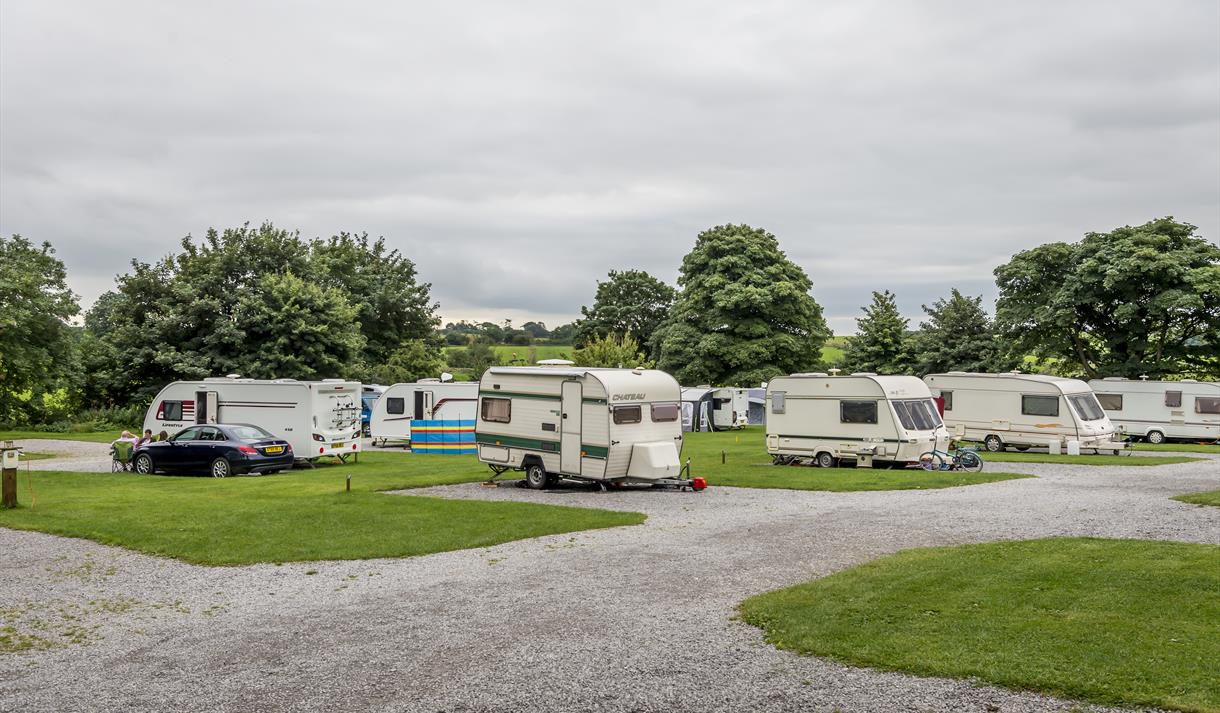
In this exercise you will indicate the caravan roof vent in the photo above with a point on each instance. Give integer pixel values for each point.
(1015, 371)
(431, 380)
(232, 376)
(333, 381)
(556, 362)
(835, 371)
(958, 373)
(1113, 378)
(864, 373)
(1190, 381)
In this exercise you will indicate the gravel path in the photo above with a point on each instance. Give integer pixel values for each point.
(627, 619)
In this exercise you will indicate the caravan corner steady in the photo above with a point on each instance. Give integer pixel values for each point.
(597, 425)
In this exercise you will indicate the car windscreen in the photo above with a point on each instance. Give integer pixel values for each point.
(1086, 407)
(249, 433)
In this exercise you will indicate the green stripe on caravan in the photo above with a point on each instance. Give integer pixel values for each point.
(534, 444)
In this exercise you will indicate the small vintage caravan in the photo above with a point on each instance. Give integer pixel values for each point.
(1161, 410)
(318, 418)
(603, 425)
(424, 400)
(862, 417)
(1021, 410)
(730, 408)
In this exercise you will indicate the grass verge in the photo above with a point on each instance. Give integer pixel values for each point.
(1123, 622)
(747, 465)
(298, 516)
(1085, 459)
(87, 436)
(1210, 497)
(1177, 447)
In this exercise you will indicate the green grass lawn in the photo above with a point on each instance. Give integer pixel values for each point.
(1177, 447)
(87, 436)
(30, 455)
(1124, 622)
(747, 465)
(1084, 459)
(297, 516)
(1211, 497)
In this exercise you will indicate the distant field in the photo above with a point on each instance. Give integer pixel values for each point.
(509, 352)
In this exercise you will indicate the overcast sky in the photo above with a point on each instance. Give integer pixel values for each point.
(517, 151)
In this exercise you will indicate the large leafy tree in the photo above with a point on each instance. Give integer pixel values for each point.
(613, 351)
(958, 336)
(1135, 300)
(629, 302)
(35, 340)
(880, 344)
(744, 314)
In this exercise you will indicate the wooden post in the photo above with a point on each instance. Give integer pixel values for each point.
(721, 457)
(8, 480)
(349, 482)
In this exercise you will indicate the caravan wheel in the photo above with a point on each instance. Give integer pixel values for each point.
(536, 477)
(825, 460)
(993, 443)
(1156, 437)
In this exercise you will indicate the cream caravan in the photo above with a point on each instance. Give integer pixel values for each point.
(1021, 410)
(602, 425)
(1161, 410)
(424, 400)
(862, 417)
(318, 418)
(730, 408)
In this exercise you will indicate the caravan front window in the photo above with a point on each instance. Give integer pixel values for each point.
(858, 411)
(396, 406)
(1086, 407)
(913, 415)
(497, 410)
(1039, 405)
(170, 411)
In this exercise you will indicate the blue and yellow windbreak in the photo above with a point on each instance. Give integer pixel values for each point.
(448, 437)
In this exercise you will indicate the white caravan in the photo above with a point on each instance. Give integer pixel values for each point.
(1021, 410)
(862, 417)
(601, 425)
(424, 400)
(318, 418)
(730, 408)
(1160, 410)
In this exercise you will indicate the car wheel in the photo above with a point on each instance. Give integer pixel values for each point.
(144, 464)
(221, 468)
(993, 443)
(536, 477)
(824, 460)
(1156, 437)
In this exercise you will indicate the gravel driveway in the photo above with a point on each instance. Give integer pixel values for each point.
(628, 619)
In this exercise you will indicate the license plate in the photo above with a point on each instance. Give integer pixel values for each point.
(340, 444)
(273, 449)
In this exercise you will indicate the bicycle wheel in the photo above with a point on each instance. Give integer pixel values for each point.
(970, 461)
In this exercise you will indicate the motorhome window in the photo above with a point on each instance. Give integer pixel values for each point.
(777, 401)
(1173, 399)
(663, 413)
(1207, 404)
(717, 403)
(858, 411)
(628, 414)
(395, 406)
(497, 410)
(948, 398)
(1086, 407)
(1040, 405)
(1111, 402)
(171, 410)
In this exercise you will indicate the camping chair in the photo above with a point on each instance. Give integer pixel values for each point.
(120, 452)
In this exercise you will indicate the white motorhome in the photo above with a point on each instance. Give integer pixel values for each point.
(863, 417)
(318, 418)
(1021, 410)
(424, 400)
(730, 408)
(601, 425)
(1161, 410)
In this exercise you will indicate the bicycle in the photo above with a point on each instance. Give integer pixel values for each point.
(958, 459)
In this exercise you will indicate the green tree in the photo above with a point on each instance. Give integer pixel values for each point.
(744, 315)
(302, 329)
(958, 336)
(880, 344)
(477, 357)
(35, 340)
(629, 302)
(563, 334)
(613, 351)
(415, 359)
(1136, 300)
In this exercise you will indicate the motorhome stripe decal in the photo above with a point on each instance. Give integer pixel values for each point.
(848, 438)
(535, 444)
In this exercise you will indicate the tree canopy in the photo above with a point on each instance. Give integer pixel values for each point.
(744, 314)
(629, 302)
(613, 351)
(1133, 301)
(880, 344)
(958, 336)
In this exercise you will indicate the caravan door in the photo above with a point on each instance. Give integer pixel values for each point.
(207, 407)
(423, 405)
(569, 438)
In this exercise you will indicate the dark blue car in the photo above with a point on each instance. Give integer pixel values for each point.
(220, 450)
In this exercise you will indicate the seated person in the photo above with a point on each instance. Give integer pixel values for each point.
(146, 438)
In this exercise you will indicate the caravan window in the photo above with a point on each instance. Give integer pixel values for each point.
(777, 402)
(948, 398)
(170, 411)
(396, 406)
(497, 410)
(1207, 404)
(1086, 407)
(628, 414)
(1040, 405)
(858, 411)
(663, 413)
(934, 413)
(1111, 402)
(1173, 399)
(913, 415)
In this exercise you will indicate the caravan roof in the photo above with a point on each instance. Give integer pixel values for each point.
(1062, 383)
